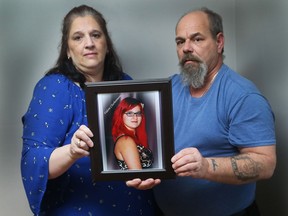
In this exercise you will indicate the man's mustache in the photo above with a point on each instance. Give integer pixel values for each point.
(189, 57)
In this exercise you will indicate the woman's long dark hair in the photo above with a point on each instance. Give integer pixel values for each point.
(112, 65)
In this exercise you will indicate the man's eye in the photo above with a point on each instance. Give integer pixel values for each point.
(179, 42)
(197, 39)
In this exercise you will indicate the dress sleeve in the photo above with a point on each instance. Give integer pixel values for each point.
(252, 122)
(44, 128)
(126, 77)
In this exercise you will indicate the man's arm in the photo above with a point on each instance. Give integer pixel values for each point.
(250, 165)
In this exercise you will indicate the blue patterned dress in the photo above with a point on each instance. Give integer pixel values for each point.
(56, 111)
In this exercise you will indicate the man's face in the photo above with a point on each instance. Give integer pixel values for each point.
(197, 50)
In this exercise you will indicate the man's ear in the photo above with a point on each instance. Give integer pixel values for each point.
(220, 42)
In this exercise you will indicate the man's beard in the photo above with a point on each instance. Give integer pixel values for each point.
(192, 75)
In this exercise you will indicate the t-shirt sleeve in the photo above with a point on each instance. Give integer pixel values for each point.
(252, 122)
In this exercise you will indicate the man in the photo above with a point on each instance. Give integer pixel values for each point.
(224, 129)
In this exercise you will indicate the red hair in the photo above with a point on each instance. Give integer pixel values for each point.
(118, 127)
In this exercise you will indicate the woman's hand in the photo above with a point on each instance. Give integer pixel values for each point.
(81, 142)
(143, 185)
(62, 158)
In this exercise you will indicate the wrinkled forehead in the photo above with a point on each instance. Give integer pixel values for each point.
(194, 21)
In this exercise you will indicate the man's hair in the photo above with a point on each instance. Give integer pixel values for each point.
(215, 21)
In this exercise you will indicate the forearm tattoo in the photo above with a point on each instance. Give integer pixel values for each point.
(214, 164)
(244, 167)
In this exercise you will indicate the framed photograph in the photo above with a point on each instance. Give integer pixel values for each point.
(132, 123)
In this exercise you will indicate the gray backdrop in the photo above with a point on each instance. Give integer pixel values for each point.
(143, 33)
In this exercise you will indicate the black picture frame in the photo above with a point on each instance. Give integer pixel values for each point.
(101, 101)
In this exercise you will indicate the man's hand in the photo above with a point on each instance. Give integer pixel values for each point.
(190, 162)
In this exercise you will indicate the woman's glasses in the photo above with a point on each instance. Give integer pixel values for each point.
(131, 114)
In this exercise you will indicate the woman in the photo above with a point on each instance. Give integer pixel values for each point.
(129, 134)
(55, 167)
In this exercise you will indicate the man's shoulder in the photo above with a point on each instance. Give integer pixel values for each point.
(176, 78)
(238, 81)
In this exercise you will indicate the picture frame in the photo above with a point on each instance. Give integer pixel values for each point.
(102, 98)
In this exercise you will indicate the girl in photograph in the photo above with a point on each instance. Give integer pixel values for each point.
(129, 135)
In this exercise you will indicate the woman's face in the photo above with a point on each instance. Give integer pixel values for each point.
(87, 47)
(132, 118)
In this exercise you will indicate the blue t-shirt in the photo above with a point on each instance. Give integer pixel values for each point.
(231, 115)
(56, 111)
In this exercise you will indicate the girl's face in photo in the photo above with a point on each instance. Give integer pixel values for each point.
(132, 118)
